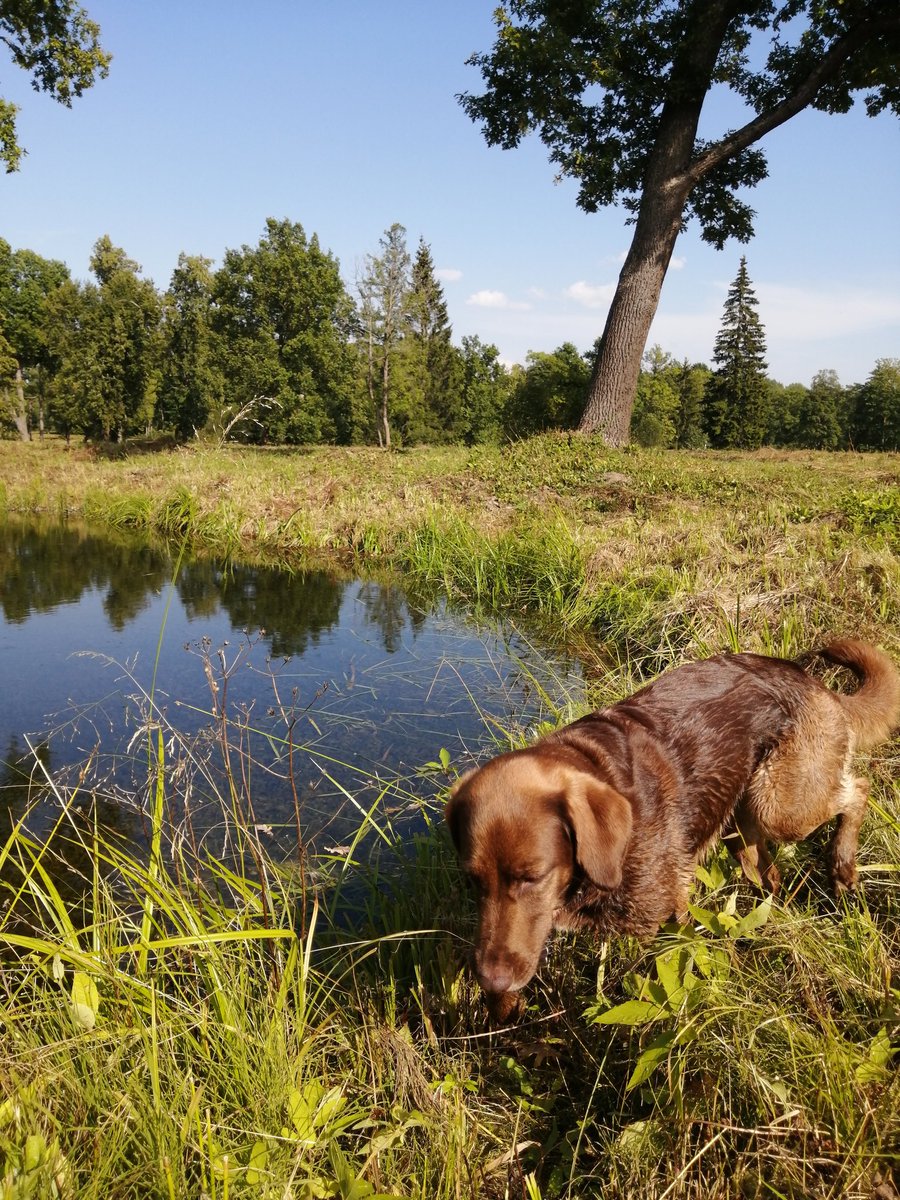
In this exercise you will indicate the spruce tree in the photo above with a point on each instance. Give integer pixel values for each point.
(737, 394)
(434, 366)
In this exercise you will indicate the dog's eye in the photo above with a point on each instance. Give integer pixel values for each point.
(478, 886)
(524, 883)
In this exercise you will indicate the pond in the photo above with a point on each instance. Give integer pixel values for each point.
(306, 694)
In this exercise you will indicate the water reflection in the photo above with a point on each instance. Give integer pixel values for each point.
(327, 687)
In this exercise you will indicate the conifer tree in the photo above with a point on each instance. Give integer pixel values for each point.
(435, 360)
(737, 394)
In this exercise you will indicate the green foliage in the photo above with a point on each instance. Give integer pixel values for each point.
(384, 293)
(819, 420)
(656, 404)
(27, 287)
(484, 392)
(605, 86)
(435, 362)
(877, 418)
(550, 393)
(282, 317)
(58, 45)
(786, 406)
(107, 337)
(191, 384)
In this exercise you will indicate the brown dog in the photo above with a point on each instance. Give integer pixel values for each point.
(602, 823)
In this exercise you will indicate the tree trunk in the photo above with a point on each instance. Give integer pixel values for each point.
(20, 416)
(614, 379)
(667, 183)
(385, 378)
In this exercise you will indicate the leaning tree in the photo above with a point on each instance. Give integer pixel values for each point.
(616, 89)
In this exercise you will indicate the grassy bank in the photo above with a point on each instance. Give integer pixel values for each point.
(660, 552)
(190, 1024)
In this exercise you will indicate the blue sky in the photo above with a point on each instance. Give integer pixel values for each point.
(342, 116)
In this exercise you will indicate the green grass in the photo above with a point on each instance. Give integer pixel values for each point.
(232, 1024)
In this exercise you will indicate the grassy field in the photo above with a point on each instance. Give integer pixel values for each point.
(178, 1025)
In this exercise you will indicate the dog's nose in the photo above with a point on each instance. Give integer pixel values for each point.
(498, 980)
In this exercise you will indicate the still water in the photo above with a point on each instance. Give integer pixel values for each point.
(327, 691)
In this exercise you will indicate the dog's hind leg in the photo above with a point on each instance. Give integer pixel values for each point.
(844, 844)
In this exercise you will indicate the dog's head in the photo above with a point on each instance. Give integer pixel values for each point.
(528, 827)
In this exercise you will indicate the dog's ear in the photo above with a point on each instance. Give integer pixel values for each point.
(601, 820)
(452, 809)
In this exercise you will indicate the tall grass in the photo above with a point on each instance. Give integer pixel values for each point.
(237, 1023)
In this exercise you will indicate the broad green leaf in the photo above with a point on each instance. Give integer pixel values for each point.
(259, 1158)
(329, 1106)
(649, 1060)
(880, 1053)
(754, 919)
(35, 1150)
(85, 1000)
(632, 1012)
(671, 969)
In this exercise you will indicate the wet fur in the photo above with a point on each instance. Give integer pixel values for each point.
(602, 823)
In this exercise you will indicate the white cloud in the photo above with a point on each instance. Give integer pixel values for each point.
(820, 314)
(676, 263)
(449, 274)
(591, 295)
(491, 299)
(537, 293)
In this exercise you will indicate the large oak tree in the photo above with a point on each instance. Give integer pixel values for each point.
(616, 90)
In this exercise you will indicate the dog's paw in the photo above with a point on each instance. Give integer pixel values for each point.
(844, 878)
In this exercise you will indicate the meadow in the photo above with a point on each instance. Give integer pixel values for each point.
(181, 1024)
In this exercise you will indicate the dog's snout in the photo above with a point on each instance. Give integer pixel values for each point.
(495, 979)
(499, 970)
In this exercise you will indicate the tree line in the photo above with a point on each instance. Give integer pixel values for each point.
(274, 347)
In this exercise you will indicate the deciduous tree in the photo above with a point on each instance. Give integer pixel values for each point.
(384, 291)
(616, 90)
(877, 425)
(191, 384)
(284, 318)
(58, 44)
(484, 390)
(820, 423)
(27, 282)
(549, 394)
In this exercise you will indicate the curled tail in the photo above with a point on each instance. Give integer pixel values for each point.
(874, 709)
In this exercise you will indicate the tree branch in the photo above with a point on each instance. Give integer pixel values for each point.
(802, 96)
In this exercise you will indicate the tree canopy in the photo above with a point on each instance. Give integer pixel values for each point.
(616, 89)
(58, 44)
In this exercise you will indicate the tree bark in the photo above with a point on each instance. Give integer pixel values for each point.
(20, 416)
(613, 383)
(385, 380)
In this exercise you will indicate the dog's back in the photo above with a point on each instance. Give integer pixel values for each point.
(698, 731)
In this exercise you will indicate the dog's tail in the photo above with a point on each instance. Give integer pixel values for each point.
(873, 710)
